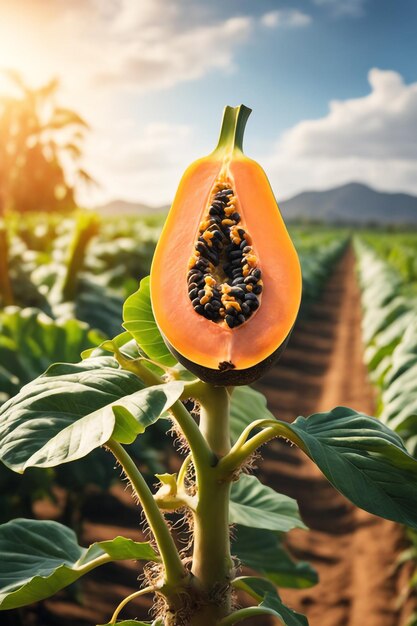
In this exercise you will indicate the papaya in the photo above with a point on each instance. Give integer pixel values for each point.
(225, 277)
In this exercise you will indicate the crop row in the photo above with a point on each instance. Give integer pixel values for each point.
(388, 279)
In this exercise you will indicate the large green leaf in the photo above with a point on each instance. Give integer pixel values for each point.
(73, 409)
(264, 591)
(258, 506)
(38, 558)
(366, 461)
(140, 322)
(263, 551)
(246, 405)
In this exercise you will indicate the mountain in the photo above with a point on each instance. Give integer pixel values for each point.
(123, 207)
(353, 203)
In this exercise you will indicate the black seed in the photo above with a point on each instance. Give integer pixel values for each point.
(201, 247)
(196, 302)
(192, 286)
(251, 296)
(193, 293)
(236, 254)
(194, 275)
(243, 245)
(257, 289)
(199, 309)
(250, 280)
(246, 310)
(235, 217)
(236, 272)
(230, 321)
(238, 280)
(241, 319)
(201, 293)
(230, 310)
(241, 286)
(241, 232)
(256, 272)
(208, 308)
(202, 264)
(227, 192)
(254, 304)
(237, 293)
(247, 249)
(215, 304)
(235, 263)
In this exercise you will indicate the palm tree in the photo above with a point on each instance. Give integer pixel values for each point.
(37, 140)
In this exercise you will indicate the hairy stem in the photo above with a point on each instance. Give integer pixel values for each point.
(243, 448)
(212, 563)
(174, 569)
(198, 446)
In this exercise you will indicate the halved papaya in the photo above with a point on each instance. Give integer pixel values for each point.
(225, 277)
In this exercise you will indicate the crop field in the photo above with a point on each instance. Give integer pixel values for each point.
(63, 282)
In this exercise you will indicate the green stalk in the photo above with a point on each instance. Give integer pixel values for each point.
(6, 292)
(232, 130)
(175, 573)
(86, 228)
(212, 563)
(198, 446)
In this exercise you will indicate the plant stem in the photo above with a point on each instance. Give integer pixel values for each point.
(86, 228)
(212, 563)
(198, 445)
(243, 449)
(174, 569)
(6, 291)
(126, 600)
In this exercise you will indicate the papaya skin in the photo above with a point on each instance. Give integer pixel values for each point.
(214, 352)
(233, 377)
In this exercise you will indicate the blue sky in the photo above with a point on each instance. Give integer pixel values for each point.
(152, 78)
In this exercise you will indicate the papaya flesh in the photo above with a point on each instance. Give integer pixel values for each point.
(225, 277)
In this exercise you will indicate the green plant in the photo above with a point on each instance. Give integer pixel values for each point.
(109, 401)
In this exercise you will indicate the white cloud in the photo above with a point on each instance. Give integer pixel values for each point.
(133, 165)
(340, 8)
(101, 49)
(370, 139)
(291, 18)
(166, 56)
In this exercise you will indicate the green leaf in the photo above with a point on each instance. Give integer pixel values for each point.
(263, 551)
(73, 409)
(140, 322)
(254, 505)
(246, 406)
(38, 558)
(366, 461)
(264, 591)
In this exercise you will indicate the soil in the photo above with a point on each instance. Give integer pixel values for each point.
(354, 552)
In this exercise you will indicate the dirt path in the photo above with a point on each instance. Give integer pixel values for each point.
(354, 552)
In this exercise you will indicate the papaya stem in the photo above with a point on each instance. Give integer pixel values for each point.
(212, 563)
(199, 449)
(174, 570)
(232, 129)
(86, 228)
(244, 448)
(6, 291)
